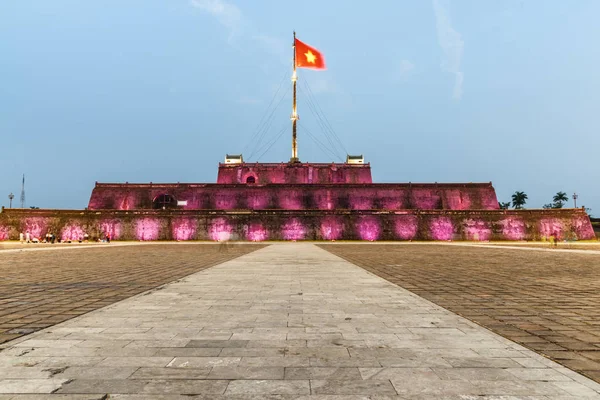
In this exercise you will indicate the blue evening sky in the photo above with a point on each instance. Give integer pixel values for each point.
(159, 90)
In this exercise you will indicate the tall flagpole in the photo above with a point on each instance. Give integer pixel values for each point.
(294, 117)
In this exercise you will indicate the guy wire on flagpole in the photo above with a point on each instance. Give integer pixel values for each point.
(294, 117)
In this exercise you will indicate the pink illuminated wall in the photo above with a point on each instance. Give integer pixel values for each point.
(406, 226)
(4, 231)
(296, 197)
(513, 228)
(258, 199)
(441, 228)
(488, 199)
(293, 229)
(72, 231)
(582, 227)
(392, 199)
(256, 232)
(361, 200)
(127, 202)
(147, 228)
(477, 229)
(220, 229)
(183, 228)
(110, 227)
(548, 226)
(282, 173)
(332, 228)
(225, 200)
(426, 199)
(457, 199)
(344, 224)
(368, 228)
(325, 199)
(114, 199)
(290, 199)
(36, 226)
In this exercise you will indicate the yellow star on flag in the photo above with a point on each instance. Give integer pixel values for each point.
(310, 57)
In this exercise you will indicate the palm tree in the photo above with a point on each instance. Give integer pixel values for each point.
(519, 199)
(504, 205)
(560, 199)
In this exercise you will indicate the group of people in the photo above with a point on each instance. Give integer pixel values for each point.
(28, 238)
(48, 238)
(51, 238)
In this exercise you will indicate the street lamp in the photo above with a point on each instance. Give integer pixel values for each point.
(575, 199)
(10, 197)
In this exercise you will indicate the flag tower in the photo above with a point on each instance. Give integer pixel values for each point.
(294, 117)
(309, 58)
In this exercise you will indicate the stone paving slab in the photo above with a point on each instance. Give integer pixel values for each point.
(43, 286)
(561, 245)
(17, 247)
(320, 315)
(547, 300)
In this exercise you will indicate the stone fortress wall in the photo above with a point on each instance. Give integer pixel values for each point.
(296, 201)
(294, 173)
(298, 225)
(424, 196)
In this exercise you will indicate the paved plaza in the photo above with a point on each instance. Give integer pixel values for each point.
(46, 285)
(287, 321)
(561, 245)
(546, 300)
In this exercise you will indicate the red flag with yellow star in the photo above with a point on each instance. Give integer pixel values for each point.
(308, 57)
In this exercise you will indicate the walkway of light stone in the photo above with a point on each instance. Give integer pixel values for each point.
(290, 320)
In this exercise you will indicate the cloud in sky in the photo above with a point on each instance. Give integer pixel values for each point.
(274, 45)
(228, 15)
(451, 43)
(403, 70)
(240, 28)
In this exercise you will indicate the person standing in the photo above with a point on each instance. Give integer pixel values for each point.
(21, 237)
(27, 237)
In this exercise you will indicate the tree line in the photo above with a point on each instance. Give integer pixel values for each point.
(519, 199)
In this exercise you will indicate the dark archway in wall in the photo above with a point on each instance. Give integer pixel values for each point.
(250, 179)
(164, 201)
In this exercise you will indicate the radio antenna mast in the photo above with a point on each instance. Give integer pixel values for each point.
(23, 192)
